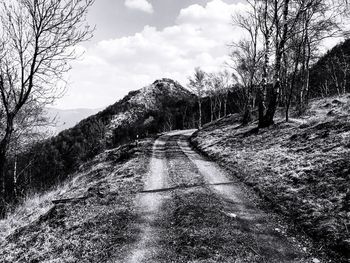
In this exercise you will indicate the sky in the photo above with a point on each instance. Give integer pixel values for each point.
(139, 41)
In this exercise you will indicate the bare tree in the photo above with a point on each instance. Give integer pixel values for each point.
(227, 80)
(37, 43)
(336, 72)
(292, 60)
(283, 25)
(344, 68)
(214, 85)
(246, 55)
(197, 85)
(266, 19)
(281, 30)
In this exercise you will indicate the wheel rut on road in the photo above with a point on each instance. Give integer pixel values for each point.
(213, 222)
(148, 205)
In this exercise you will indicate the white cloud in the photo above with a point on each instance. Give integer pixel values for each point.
(113, 67)
(214, 11)
(142, 5)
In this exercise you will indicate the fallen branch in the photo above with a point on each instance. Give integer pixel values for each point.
(185, 187)
(69, 200)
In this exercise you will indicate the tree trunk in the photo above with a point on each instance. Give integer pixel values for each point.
(287, 113)
(225, 106)
(292, 83)
(247, 116)
(261, 105)
(6, 182)
(211, 110)
(200, 114)
(15, 179)
(306, 72)
(307, 84)
(272, 106)
(261, 94)
(2, 183)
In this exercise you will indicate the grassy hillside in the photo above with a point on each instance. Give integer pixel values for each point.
(87, 219)
(331, 74)
(301, 168)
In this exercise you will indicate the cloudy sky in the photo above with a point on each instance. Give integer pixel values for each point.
(139, 41)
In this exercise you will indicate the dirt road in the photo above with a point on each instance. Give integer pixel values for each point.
(191, 210)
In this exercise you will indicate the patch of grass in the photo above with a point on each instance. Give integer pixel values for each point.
(93, 221)
(30, 210)
(301, 168)
(197, 227)
(180, 171)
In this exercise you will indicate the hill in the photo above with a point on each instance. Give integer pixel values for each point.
(300, 168)
(331, 74)
(161, 106)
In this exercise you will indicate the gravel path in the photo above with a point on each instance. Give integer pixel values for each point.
(209, 222)
(148, 204)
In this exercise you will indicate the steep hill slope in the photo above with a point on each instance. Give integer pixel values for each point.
(331, 74)
(301, 168)
(161, 106)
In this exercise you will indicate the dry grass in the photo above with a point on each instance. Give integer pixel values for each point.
(95, 228)
(31, 209)
(301, 167)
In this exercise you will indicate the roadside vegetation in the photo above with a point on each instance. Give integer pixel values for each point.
(37, 43)
(87, 219)
(300, 167)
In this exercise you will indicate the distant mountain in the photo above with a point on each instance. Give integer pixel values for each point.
(65, 119)
(162, 106)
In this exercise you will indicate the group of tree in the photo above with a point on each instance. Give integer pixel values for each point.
(37, 39)
(330, 75)
(273, 61)
(216, 92)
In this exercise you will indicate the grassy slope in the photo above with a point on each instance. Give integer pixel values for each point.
(302, 168)
(94, 229)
